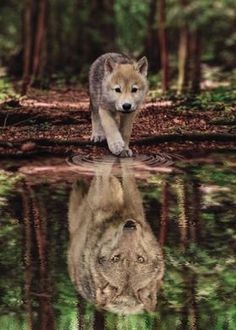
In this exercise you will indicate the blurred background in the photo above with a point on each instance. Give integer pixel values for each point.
(42, 41)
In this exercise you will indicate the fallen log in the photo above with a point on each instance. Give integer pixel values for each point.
(185, 137)
(154, 139)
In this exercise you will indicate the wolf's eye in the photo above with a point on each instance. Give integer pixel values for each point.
(118, 90)
(134, 89)
(101, 260)
(115, 258)
(140, 259)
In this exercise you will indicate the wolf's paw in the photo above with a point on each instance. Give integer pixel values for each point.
(98, 137)
(116, 147)
(126, 153)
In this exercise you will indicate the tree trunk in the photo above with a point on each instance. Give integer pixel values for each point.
(28, 269)
(81, 308)
(196, 61)
(108, 26)
(103, 41)
(99, 320)
(195, 222)
(163, 46)
(183, 207)
(34, 24)
(39, 40)
(164, 213)
(27, 42)
(46, 311)
(183, 56)
(151, 45)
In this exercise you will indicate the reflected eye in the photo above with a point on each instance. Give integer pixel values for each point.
(134, 89)
(140, 259)
(101, 260)
(115, 258)
(117, 90)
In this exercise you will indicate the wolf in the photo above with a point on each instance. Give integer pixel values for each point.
(114, 259)
(117, 88)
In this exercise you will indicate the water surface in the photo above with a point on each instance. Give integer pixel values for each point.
(104, 244)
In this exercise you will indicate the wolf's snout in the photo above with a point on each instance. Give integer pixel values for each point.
(129, 225)
(126, 106)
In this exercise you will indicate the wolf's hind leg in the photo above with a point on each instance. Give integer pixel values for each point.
(98, 134)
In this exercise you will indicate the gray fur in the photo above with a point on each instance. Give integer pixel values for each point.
(109, 119)
(96, 75)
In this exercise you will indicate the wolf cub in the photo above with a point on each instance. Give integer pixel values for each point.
(117, 88)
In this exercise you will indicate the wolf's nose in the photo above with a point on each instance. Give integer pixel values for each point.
(126, 106)
(130, 224)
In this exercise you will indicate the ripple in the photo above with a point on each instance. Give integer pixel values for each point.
(145, 161)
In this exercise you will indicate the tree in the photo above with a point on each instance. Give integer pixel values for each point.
(164, 213)
(39, 40)
(34, 26)
(163, 45)
(151, 42)
(183, 53)
(196, 52)
(27, 44)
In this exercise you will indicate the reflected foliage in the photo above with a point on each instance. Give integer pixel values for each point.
(198, 234)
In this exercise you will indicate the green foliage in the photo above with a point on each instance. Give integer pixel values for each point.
(215, 20)
(7, 183)
(6, 89)
(10, 27)
(131, 24)
(218, 99)
(201, 14)
(77, 32)
(10, 257)
(11, 323)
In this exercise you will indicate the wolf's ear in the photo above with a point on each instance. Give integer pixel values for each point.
(142, 66)
(109, 65)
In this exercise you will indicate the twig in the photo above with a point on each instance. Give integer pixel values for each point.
(5, 121)
(25, 120)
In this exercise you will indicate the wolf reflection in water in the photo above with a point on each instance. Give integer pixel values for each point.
(114, 258)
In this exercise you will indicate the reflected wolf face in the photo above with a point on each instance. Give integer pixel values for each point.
(125, 85)
(130, 268)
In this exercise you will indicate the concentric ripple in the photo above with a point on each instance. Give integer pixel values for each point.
(146, 161)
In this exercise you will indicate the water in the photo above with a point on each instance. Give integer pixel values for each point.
(147, 243)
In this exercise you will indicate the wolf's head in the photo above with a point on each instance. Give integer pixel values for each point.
(120, 267)
(130, 267)
(125, 85)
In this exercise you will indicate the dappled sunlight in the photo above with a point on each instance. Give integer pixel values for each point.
(52, 105)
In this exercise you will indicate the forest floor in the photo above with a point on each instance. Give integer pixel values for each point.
(56, 123)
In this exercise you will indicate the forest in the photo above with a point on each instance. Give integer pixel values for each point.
(183, 140)
(50, 40)
(47, 47)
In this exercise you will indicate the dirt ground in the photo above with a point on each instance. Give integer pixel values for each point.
(56, 123)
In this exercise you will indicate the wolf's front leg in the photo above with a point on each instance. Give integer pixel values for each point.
(98, 134)
(76, 200)
(132, 196)
(126, 125)
(114, 139)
